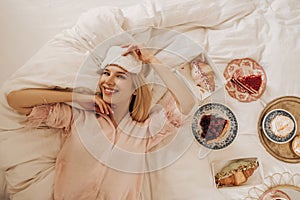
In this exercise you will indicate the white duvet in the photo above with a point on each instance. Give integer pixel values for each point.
(266, 31)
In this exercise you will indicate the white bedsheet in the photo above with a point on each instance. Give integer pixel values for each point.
(267, 31)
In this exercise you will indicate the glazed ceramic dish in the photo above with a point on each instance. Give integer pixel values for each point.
(246, 79)
(279, 126)
(274, 194)
(218, 118)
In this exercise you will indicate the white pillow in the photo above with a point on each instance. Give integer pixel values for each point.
(58, 62)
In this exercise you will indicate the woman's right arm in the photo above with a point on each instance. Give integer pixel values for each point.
(24, 100)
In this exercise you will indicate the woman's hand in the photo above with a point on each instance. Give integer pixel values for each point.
(101, 106)
(93, 102)
(140, 53)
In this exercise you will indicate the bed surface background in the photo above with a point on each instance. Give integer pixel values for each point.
(27, 25)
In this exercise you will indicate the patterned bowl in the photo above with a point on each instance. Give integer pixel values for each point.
(279, 126)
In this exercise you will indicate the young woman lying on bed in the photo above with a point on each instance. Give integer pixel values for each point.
(123, 115)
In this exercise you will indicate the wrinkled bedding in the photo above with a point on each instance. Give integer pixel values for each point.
(266, 31)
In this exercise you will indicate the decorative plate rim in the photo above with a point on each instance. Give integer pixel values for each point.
(290, 135)
(260, 68)
(230, 136)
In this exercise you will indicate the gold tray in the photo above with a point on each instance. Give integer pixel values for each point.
(282, 152)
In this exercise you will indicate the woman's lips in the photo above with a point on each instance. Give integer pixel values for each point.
(109, 91)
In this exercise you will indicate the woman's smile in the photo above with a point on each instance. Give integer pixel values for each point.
(109, 90)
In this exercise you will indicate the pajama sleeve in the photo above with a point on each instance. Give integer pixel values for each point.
(165, 122)
(58, 115)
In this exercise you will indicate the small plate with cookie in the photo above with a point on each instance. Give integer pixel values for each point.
(214, 126)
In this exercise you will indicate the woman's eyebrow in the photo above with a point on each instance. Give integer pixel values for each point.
(122, 73)
(117, 72)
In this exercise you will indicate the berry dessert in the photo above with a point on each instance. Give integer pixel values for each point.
(249, 83)
(246, 79)
(213, 127)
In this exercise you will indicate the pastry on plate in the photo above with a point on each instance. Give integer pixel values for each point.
(246, 79)
(236, 173)
(203, 75)
(250, 84)
(213, 127)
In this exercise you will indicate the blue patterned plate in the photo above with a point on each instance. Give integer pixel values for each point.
(284, 130)
(219, 111)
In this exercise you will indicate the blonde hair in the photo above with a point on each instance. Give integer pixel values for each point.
(141, 101)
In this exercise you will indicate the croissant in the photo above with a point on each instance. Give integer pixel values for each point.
(236, 173)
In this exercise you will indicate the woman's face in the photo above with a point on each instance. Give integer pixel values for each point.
(116, 85)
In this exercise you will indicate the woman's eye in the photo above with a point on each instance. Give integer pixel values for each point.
(122, 77)
(106, 73)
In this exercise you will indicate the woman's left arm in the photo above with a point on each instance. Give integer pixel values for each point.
(183, 96)
(177, 87)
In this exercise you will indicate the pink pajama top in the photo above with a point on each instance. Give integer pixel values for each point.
(99, 161)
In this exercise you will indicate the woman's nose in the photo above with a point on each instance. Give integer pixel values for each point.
(110, 80)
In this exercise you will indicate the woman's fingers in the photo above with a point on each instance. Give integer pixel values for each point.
(137, 53)
(103, 107)
(110, 109)
(131, 48)
(142, 54)
(93, 102)
(100, 107)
